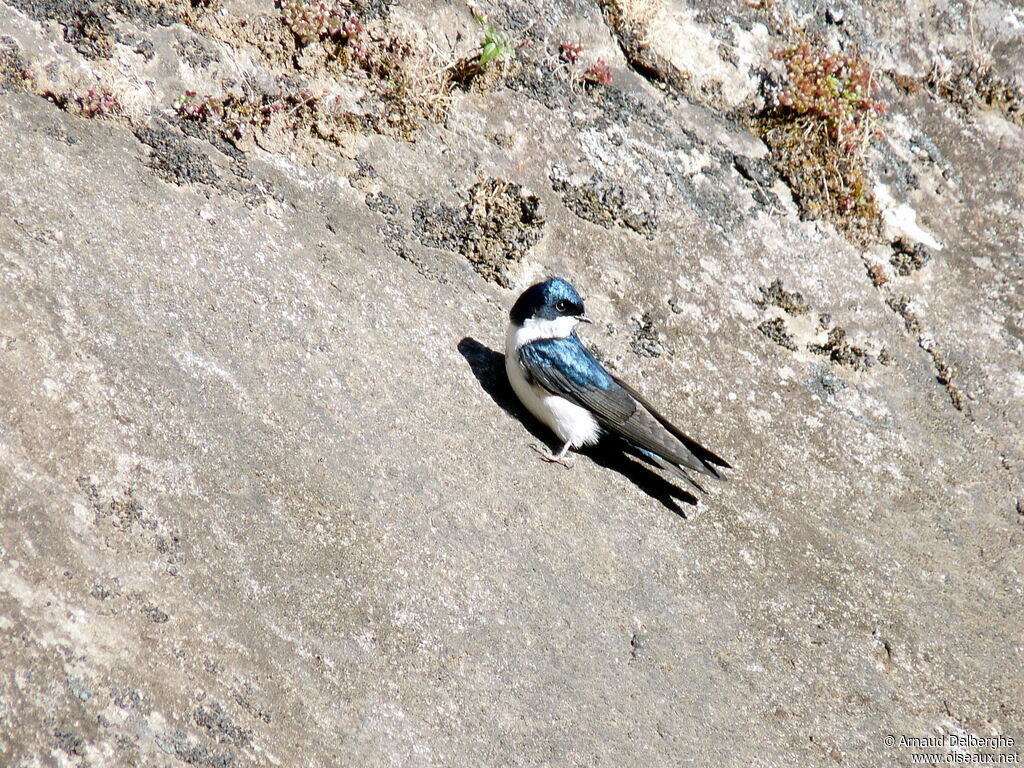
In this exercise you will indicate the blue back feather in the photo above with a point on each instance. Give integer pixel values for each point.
(571, 358)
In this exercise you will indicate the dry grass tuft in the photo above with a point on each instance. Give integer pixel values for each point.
(971, 83)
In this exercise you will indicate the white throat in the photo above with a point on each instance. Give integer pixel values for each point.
(535, 329)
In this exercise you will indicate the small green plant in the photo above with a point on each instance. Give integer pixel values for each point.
(834, 88)
(818, 128)
(495, 44)
(495, 47)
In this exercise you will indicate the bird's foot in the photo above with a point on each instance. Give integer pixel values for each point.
(555, 458)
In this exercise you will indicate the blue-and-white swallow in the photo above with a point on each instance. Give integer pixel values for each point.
(563, 385)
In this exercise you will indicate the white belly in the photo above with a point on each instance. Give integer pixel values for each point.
(569, 421)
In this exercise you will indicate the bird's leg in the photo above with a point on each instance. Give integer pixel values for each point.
(556, 458)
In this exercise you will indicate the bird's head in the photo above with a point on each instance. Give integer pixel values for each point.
(551, 310)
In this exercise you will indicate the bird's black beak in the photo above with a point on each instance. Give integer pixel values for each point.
(584, 319)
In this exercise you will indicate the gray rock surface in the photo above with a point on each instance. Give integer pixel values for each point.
(266, 497)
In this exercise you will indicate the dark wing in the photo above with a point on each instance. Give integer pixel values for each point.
(565, 367)
(699, 451)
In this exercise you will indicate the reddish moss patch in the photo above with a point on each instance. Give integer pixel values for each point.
(823, 116)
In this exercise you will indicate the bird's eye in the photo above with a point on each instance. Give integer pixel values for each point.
(562, 306)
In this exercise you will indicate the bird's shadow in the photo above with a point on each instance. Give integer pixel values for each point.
(488, 367)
